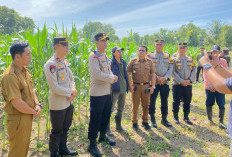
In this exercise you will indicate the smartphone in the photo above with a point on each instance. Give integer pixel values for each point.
(147, 91)
(210, 55)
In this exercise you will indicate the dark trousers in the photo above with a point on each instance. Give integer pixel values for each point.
(100, 111)
(184, 92)
(164, 92)
(61, 121)
(199, 69)
(212, 96)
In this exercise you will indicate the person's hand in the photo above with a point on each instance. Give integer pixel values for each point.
(184, 83)
(204, 60)
(131, 88)
(115, 78)
(151, 90)
(158, 80)
(71, 98)
(163, 80)
(74, 92)
(38, 111)
(188, 82)
(215, 60)
(211, 88)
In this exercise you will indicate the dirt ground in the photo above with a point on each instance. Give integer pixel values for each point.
(199, 139)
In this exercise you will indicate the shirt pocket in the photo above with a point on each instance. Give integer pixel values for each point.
(135, 68)
(61, 75)
(179, 66)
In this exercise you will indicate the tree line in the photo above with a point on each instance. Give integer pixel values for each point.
(217, 31)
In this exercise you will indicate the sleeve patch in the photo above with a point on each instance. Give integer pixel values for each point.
(52, 68)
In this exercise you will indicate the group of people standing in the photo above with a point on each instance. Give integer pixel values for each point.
(145, 77)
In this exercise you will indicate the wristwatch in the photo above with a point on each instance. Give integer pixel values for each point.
(207, 66)
(153, 87)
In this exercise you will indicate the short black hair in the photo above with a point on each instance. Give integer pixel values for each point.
(143, 47)
(18, 48)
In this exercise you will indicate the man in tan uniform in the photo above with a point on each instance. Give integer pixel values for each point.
(142, 70)
(21, 102)
(100, 94)
(61, 95)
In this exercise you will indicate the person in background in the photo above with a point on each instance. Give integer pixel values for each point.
(119, 88)
(199, 67)
(212, 94)
(221, 79)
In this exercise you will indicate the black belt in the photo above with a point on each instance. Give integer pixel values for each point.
(141, 83)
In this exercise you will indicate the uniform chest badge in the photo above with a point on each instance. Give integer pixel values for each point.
(52, 68)
(104, 69)
(165, 56)
(190, 67)
(59, 65)
(178, 67)
(62, 78)
(67, 63)
(62, 73)
(58, 59)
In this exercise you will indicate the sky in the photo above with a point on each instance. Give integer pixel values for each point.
(142, 16)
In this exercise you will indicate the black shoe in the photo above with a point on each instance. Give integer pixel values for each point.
(176, 120)
(54, 154)
(63, 150)
(107, 140)
(188, 121)
(222, 125)
(94, 151)
(146, 126)
(135, 127)
(153, 122)
(166, 123)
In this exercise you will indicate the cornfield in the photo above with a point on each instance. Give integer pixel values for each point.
(41, 44)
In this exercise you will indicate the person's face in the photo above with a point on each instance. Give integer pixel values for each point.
(182, 50)
(142, 52)
(62, 49)
(202, 51)
(215, 52)
(118, 54)
(159, 46)
(102, 44)
(25, 58)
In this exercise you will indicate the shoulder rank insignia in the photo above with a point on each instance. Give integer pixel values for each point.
(52, 68)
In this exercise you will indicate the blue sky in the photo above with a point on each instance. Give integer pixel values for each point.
(142, 16)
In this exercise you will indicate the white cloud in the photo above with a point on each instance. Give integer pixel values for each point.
(40, 9)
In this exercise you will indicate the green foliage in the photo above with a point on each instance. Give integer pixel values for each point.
(11, 21)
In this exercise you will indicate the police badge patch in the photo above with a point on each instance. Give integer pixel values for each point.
(52, 68)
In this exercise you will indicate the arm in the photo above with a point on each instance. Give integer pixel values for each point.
(170, 69)
(12, 93)
(22, 106)
(95, 70)
(193, 72)
(216, 77)
(53, 82)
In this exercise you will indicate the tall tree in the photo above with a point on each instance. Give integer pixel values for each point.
(11, 21)
(214, 29)
(92, 28)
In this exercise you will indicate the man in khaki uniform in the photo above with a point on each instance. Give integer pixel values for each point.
(21, 102)
(184, 73)
(61, 95)
(142, 70)
(100, 94)
(164, 67)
